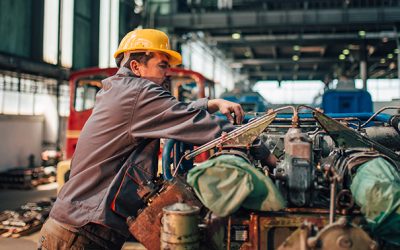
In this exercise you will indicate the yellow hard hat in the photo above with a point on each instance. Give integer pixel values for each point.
(148, 40)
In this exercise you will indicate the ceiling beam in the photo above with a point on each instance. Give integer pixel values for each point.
(23, 65)
(301, 39)
(286, 72)
(287, 18)
(288, 77)
(320, 60)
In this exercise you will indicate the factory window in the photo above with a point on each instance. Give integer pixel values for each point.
(23, 94)
(199, 57)
(382, 90)
(289, 92)
(85, 94)
(109, 32)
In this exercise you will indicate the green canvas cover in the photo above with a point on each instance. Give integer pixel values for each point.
(227, 182)
(376, 189)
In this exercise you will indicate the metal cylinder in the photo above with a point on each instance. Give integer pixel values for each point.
(180, 227)
(387, 136)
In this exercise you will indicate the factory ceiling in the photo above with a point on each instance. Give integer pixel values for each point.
(293, 40)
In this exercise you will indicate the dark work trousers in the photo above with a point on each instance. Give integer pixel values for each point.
(54, 236)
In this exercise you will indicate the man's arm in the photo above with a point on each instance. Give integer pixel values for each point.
(157, 114)
(227, 108)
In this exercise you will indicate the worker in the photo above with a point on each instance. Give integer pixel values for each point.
(117, 151)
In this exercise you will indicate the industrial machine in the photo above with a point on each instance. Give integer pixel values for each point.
(319, 155)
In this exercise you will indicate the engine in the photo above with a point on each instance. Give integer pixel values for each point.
(318, 159)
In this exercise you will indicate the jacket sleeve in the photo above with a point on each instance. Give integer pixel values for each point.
(157, 114)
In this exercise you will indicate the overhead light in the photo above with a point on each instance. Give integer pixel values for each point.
(362, 33)
(296, 48)
(397, 51)
(383, 60)
(236, 65)
(371, 50)
(346, 52)
(342, 57)
(295, 58)
(247, 54)
(236, 36)
(390, 56)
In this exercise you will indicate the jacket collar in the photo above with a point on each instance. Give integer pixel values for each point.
(125, 72)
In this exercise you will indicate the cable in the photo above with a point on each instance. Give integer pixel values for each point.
(179, 163)
(377, 112)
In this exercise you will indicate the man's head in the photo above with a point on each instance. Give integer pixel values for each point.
(147, 53)
(152, 66)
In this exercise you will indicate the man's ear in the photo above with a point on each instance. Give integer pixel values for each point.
(135, 68)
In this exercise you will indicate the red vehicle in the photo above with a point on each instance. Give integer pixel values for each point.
(186, 85)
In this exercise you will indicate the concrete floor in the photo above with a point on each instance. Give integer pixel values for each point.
(12, 199)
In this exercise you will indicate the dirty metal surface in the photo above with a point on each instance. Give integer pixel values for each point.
(347, 138)
(240, 137)
(146, 227)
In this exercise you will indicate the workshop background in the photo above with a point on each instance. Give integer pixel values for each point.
(276, 51)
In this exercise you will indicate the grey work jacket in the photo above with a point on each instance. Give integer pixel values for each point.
(118, 149)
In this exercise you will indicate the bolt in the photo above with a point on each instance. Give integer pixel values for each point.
(344, 241)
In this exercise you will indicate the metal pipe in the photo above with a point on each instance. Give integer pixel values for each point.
(363, 64)
(233, 134)
(166, 163)
(377, 112)
(228, 240)
(387, 136)
(332, 206)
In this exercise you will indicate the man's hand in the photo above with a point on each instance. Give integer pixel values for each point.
(226, 108)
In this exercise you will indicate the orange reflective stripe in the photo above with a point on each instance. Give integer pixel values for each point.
(73, 134)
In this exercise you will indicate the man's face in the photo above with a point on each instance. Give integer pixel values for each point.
(155, 70)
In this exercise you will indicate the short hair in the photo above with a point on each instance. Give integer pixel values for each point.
(141, 57)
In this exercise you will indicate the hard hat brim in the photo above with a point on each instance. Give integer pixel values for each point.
(175, 58)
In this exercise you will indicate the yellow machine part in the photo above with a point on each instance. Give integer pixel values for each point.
(62, 169)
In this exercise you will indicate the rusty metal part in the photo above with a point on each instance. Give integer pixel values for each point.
(244, 135)
(336, 236)
(180, 227)
(332, 205)
(240, 137)
(341, 235)
(294, 175)
(334, 178)
(306, 210)
(346, 137)
(254, 227)
(147, 225)
(275, 229)
(268, 230)
(297, 144)
(344, 201)
(228, 243)
(387, 136)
